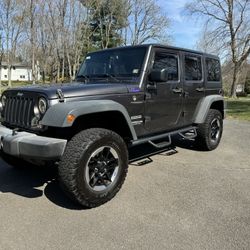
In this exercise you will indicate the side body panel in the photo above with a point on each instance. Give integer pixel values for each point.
(163, 107)
(193, 90)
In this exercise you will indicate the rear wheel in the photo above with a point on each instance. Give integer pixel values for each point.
(209, 133)
(94, 166)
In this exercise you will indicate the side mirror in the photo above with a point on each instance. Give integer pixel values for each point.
(158, 75)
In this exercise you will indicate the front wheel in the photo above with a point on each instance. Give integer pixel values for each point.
(209, 133)
(94, 166)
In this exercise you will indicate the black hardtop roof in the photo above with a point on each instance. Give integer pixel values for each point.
(155, 45)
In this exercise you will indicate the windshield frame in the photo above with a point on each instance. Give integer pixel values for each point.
(123, 79)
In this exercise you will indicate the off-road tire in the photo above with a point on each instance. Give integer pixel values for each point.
(204, 140)
(74, 162)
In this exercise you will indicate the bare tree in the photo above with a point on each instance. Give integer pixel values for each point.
(11, 22)
(227, 22)
(62, 11)
(43, 37)
(76, 36)
(1, 59)
(58, 34)
(146, 21)
(31, 20)
(204, 43)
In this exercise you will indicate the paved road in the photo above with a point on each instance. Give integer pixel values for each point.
(189, 200)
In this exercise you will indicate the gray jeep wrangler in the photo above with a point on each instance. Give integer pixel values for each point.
(122, 98)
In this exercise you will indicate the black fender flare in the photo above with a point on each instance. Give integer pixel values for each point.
(203, 107)
(56, 115)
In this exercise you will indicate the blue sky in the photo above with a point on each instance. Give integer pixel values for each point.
(184, 31)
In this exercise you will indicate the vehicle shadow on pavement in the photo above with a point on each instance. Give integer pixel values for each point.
(180, 142)
(33, 182)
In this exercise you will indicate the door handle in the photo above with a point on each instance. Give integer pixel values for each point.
(200, 89)
(177, 90)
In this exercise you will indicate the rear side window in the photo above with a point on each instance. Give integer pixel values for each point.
(169, 62)
(193, 68)
(213, 70)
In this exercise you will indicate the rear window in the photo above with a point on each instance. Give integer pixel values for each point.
(213, 70)
(193, 68)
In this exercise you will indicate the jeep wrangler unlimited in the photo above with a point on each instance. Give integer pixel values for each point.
(122, 97)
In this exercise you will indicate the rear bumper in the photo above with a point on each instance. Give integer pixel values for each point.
(31, 146)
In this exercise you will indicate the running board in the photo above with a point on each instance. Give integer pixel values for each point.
(189, 135)
(162, 144)
(140, 156)
(161, 136)
(142, 162)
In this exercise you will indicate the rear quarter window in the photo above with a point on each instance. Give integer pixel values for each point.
(213, 70)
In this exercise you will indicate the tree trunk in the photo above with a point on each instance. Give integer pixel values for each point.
(33, 65)
(234, 82)
(32, 36)
(58, 72)
(0, 77)
(9, 75)
(63, 67)
(69, 65)
(74, 71)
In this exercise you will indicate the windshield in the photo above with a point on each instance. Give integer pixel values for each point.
(113, 65)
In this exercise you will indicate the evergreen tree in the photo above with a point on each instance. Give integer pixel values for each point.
(107, 19)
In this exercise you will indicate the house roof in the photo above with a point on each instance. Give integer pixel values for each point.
(18, 64)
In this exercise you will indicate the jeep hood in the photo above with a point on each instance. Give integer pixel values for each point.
(76, 89)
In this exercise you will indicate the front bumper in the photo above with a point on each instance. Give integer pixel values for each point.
(30, 146)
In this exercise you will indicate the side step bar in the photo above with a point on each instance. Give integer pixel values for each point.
(189, 135)
(162, 144)
(136, 154)
(150, 139)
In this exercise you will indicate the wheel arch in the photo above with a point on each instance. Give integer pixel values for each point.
(207, 103)
(95, 113)
(112, 120)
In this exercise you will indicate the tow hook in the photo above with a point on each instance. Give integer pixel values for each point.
(14, 131)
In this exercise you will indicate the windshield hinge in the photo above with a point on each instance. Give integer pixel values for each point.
(60, 95)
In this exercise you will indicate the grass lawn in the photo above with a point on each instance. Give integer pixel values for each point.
(238, 108)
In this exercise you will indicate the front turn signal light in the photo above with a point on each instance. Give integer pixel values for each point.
(70, 118)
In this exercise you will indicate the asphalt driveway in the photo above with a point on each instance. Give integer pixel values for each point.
(187, 200)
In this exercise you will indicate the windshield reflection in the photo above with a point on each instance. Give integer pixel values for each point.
(116, 65)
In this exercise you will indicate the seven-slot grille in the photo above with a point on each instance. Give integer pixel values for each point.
(19, 111)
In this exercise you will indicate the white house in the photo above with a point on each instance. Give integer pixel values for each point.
(19, 72)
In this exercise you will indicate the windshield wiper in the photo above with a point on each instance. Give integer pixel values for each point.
(107, 75)
(86, 77)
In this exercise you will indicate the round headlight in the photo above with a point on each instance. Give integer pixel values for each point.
(3, 100)
(42, 105)
(37, 112)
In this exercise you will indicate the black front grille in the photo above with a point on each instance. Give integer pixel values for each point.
(18, 111)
